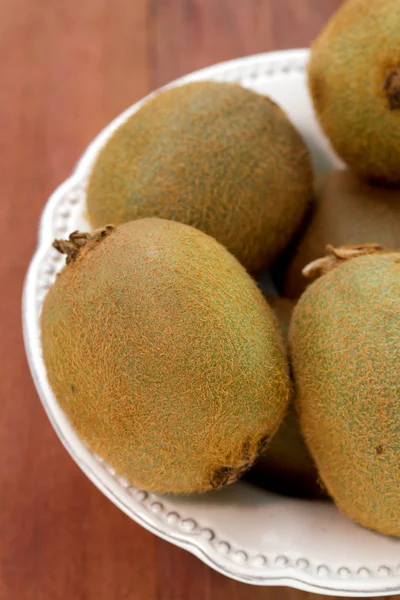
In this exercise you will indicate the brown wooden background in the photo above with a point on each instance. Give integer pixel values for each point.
(67, 68)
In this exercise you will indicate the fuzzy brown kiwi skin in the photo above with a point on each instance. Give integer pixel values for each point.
(354, 79)
(346, 210)
(150, 314)
(212, 155)
(344, 340)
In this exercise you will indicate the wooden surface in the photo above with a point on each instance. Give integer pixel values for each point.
(67, 68)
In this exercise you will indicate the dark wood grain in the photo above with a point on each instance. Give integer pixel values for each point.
(68, 67)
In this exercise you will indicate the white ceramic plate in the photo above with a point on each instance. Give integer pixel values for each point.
(245, 533)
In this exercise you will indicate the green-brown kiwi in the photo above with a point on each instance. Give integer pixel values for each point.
(354, 78)
(346, 210)
(286, 466)
(164, 355)
(212, 155)
(345, 350)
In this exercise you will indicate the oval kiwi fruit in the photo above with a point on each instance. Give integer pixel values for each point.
(345, 349)
(354, 78)
(286, 467)
(164, 355)
(212, 155)
(346, 210)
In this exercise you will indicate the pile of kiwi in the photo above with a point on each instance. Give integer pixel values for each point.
(161, 343)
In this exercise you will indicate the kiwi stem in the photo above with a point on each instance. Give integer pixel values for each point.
(392, 88)
(337, 256)
(78, 240)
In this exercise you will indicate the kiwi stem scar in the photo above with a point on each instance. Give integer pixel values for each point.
(78, 240)
(392, 88)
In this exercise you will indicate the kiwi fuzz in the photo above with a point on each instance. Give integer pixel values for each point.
(344, 342)
(212, 155)
(148, 334)
(392, 87)
(354, 80)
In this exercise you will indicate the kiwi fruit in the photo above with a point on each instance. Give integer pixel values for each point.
(212, 155)
(164, 355)
(286, 467)
(354, 79)
(346, 210)
(345, 350)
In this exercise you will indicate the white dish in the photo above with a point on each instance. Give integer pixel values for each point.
(245, 533)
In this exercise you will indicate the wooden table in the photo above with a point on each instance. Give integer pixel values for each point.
(67, 68)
